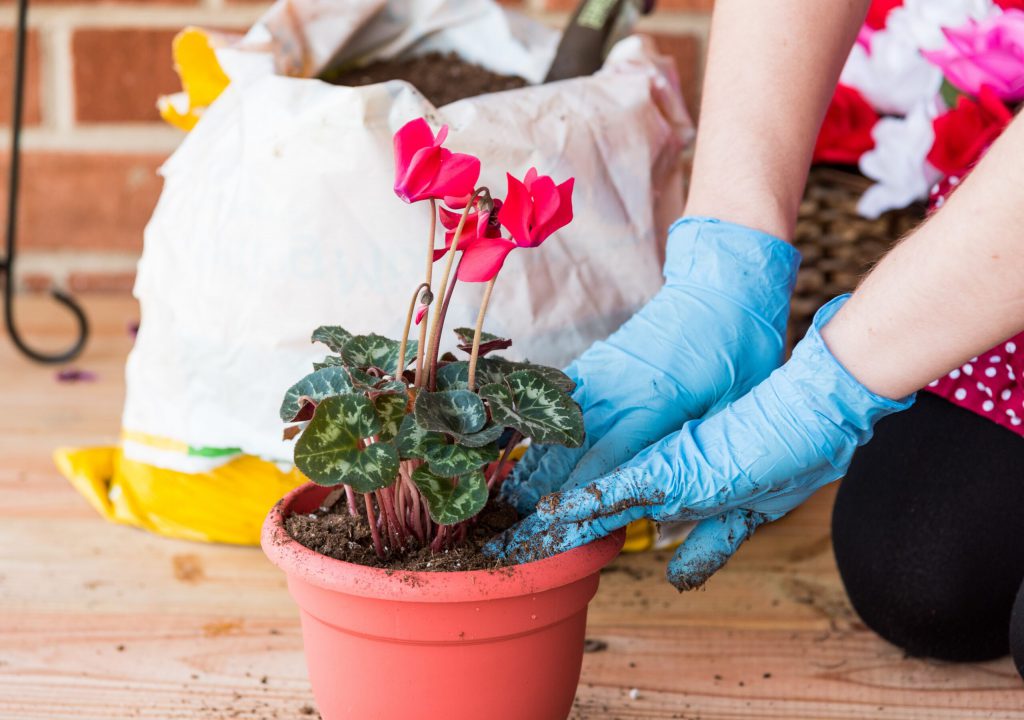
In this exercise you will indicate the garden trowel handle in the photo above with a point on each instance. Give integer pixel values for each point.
(594, 28)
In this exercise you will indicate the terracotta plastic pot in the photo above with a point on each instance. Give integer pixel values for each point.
(479, 645)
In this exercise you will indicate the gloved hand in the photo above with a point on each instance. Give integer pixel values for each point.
(713, 331)
(748, 464)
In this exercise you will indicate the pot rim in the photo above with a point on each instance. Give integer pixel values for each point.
(299, 562)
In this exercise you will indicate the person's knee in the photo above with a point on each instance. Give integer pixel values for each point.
(1017, 632)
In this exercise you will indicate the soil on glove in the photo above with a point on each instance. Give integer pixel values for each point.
(442, 77)
(338, 534)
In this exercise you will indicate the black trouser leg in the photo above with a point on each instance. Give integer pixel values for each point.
(928, 530)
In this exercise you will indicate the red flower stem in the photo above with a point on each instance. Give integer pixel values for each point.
(415, 513)
(371, 519)
(405, 332)
(496, 471)
(421, 350)
(475, 355)
(396, 530)
(444, 315)
(350, 500)
(443, 286)
(435, 547)
(385, 520)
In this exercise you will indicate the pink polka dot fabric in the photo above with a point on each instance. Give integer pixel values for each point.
(990, 385)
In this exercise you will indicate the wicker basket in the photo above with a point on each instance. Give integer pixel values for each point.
(838, 245)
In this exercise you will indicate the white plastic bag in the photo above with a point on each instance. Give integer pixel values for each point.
(277, 213)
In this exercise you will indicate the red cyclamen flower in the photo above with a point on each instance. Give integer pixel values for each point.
(424, 169)
(535, 208)
(483, 248)
(963, 134)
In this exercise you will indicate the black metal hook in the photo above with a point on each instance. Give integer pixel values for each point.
(13, 183)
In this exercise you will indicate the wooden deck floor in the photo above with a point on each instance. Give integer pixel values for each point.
(96, 623)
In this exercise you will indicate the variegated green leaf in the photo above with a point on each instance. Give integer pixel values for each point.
(414, 442)
(451, 500)
(536, 407)
(478, 439)
(507, 367)
(365, 351)
(332, 336)
(391, 408)
(455, 376)
(314, 387)
(329, 361)
(488, 342)
(330, 453)
(456, 412)
(451, 460)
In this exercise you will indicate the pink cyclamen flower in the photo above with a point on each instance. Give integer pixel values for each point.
(535, 208)
(424, 169)
(483, 248)
(986, 52)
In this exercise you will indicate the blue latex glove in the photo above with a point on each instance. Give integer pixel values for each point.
(714, 330)
(749, 464)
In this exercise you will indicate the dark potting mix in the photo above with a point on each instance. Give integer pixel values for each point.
(333, 531)
(443, 78)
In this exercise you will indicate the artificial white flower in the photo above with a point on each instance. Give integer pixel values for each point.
(898, 163)
(923, 20)
(893, 76)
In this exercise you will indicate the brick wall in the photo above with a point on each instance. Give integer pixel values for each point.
(93, 139)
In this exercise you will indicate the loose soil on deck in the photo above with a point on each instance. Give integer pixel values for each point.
(338, 534)
(442, 77)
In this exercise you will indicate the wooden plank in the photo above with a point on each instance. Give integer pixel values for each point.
(103, 622)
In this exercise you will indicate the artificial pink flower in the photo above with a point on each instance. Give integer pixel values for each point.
(424, 169)
(535, 208)
(989, 52)
(878, 12)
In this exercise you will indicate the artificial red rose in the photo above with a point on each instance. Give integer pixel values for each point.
(879, 11)
(963, 133)
(1010, 4)
(846, 132)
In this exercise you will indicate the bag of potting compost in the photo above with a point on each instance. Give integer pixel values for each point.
(276, 217)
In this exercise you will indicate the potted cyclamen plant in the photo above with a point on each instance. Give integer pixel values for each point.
(405, 448)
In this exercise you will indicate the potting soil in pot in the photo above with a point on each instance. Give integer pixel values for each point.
(335, 532)
(443, 78)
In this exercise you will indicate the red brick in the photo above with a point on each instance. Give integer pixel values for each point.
(98, 281)
(85, 201)
(119, 74)
(33, 113)
(686, 51)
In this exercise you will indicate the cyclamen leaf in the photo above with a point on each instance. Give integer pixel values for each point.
(479, 439)
(488, 342)
(365, 351)
(332, 336)
(455, 376)
(536, 407)
(456, 412)
(448, 501)
(329, 361)
(330, 453)
(550, 374)
(312, 389)
(451, 460)
(414, 442)
(391, 409)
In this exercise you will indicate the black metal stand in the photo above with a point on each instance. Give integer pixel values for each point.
(7, 263)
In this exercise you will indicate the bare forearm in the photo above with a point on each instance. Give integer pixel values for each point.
(772, 68)
(951, 290)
